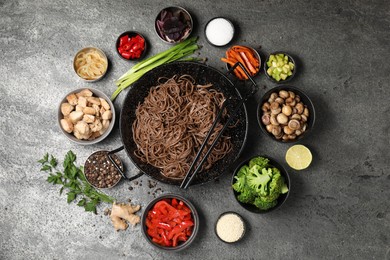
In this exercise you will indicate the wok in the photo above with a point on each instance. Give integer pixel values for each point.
(202, 74)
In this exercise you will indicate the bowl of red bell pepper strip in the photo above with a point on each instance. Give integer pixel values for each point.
(131, 45)
(247, 56)
(170, 222)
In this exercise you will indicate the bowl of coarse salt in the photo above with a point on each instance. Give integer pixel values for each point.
(230, 227)
(219, 31)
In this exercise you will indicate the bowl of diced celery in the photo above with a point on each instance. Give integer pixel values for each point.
(279, 67)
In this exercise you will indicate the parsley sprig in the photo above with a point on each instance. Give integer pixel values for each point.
(72, 178)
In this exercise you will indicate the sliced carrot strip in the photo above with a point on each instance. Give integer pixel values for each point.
(238, 71)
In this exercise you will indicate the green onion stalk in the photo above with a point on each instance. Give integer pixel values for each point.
(178, 52)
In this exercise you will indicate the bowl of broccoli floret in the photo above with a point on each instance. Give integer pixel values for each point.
(260, 184)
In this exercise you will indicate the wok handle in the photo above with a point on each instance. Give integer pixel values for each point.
(117, 166)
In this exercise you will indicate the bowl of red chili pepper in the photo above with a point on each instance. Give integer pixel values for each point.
(131, 45)
(170, 222)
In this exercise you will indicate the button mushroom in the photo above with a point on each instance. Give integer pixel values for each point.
(276, 130)
(294, 124)
(273, 120)
(272, 97)
(265, 119)
(282, 119)
(300, 108)
(306, 112)
(287, 130)
(283, 94)
(287, 110)
(265, 107)
(275, 108)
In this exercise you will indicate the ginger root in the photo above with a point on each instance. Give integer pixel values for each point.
(120, 213)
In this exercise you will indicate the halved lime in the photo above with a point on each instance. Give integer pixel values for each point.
(298, 157)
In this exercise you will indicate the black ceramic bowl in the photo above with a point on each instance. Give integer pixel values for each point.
(195, 217)
(257, 55)
(304, 99)
(290, 58)
(240, 217)
(130, 34)
(282, 198)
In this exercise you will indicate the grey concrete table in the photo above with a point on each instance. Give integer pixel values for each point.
(338, 208)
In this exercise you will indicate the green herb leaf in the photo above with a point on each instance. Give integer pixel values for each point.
(71, 196)
(53, 162)
(90, 206)
(46, 168)
(44, 159)
(82, 202)
(72, 178)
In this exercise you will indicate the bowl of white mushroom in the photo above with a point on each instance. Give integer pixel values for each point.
(286, 114)
(86, 116)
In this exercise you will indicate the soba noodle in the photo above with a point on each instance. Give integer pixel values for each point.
(172, 123)
(90, 64)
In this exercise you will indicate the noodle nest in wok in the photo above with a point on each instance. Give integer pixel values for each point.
(172, 123)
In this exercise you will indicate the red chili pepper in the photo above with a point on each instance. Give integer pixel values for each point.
(124, 39)
(126, 55)
(168, 225)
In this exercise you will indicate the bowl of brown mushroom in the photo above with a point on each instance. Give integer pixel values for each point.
(86, 116)
(286, 114)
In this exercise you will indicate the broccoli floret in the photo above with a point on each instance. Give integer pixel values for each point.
(284, 188)
(263, 205)
(258, 180)
(274, 187)
(260, 161)
(240, 179)
(247, 195)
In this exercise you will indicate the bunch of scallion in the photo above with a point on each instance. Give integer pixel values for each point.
(178, 52)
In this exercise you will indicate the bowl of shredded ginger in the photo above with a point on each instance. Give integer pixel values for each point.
(90, 64)
(260, 184)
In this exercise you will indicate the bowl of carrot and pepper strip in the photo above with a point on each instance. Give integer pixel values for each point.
(247, 56)
(170, 222)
